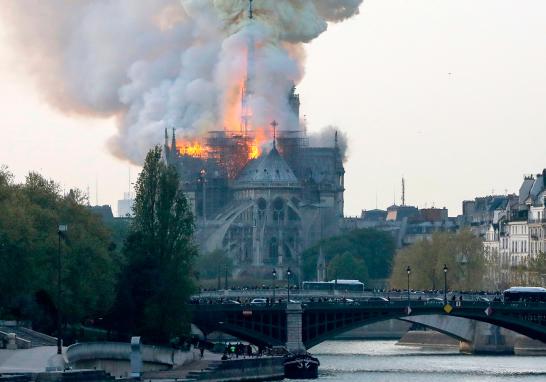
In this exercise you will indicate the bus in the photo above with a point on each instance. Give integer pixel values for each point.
(524, 294)
(341, 285)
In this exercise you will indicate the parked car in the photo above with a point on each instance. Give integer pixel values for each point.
(258, 301)
(231, 302)
(377, 299)
(435, 301)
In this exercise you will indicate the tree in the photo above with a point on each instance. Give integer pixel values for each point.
(214, 266)
(531, 273)
(348, 267)
(157, 280)
(374, 248)
(538, 264)
(31, 212)
(461, 252)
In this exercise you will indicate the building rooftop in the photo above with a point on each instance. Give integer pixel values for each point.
(374, 215)
(270, 169)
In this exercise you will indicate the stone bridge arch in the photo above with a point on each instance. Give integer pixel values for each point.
(323, 321)
(458, 328)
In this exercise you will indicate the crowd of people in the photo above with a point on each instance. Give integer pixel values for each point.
(251, 288)
(237, 350)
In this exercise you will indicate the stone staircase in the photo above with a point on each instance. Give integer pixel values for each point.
(35, 338)
(256, 369)
(206, 373)
(201, 370)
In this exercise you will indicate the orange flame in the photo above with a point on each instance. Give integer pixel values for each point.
(233, 118)
(254, 151)
(192, 149)
(261, 136)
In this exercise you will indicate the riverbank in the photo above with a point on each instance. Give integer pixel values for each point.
(428, 339)
(515, 344)
(31, 364)
(212, 369)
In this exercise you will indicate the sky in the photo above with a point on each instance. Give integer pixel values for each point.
(449, 94)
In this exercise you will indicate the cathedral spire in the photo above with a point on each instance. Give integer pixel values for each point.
(247, 90)
(274, 124)
(173, 144)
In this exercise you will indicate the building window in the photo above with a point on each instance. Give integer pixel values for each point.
(278, 210)
(273, 249)
(262, 205)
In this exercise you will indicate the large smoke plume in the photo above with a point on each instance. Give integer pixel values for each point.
(166, 63)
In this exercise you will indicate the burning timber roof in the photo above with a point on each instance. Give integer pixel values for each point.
(269, 170)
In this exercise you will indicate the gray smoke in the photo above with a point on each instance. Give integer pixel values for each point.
(326, 137)
(166, 63)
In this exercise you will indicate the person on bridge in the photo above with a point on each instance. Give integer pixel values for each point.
(201, 348)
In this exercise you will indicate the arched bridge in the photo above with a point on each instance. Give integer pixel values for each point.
(301, 326)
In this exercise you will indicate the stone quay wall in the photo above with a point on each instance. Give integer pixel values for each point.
(249, 369)
(114, 357)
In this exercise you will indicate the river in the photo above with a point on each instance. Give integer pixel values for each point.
(384, 361)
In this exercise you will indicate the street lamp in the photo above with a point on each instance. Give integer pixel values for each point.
(203, 180)
(288, 273)
(62, 228)
(221, 332)
(274, 273)
(408, 270)
(445, 284)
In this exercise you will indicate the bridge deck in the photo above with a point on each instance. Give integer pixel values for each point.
(266, 324)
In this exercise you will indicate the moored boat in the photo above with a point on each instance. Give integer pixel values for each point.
(301, 366)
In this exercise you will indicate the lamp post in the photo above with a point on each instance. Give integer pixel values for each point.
(221, 333)
(62, 228)
(445, 284)
(288, 273)
(203, 179)
(274, 274)
(408, 270)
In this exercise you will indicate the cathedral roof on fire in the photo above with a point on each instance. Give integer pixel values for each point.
(268, 170)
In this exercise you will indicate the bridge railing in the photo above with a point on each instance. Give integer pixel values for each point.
(299, 294)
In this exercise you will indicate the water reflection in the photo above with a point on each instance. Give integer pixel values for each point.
(378, 361)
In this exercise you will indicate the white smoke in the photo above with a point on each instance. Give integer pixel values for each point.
(166, 63)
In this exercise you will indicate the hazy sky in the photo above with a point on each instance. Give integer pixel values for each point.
(449, 94)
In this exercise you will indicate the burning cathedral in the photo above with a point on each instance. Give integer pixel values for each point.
(261, 194)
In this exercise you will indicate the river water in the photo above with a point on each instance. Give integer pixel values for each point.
(384, 361)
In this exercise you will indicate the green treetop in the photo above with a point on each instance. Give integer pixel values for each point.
(462, 253)
(158, 278)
